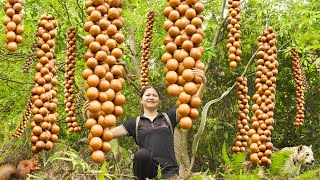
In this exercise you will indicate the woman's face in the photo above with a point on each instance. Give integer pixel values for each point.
(150, 99)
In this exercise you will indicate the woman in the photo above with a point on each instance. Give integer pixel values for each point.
(155, 138)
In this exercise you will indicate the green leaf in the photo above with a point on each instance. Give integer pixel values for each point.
(103, 171)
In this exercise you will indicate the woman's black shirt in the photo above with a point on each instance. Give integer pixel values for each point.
(157, 137)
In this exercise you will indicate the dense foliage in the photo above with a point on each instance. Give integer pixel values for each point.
(297, 23)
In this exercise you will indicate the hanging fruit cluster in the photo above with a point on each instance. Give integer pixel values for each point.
(146, 50)
(243, 115)
(262, 120)
(44, 100)
(12, 21)
(25, 119)
(297, 72)
(70, 64)
(79, 100)
(29, 61)
(183, 54)
(234, 42)
(304, 80)
(102, 75)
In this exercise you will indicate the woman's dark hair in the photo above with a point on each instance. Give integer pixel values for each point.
(143, 90)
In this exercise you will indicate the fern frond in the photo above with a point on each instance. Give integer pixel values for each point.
(279, 160)
(310, 175)
(225, 156)
(244, 177)
(71, 156)
(103, 171)
(238, 159)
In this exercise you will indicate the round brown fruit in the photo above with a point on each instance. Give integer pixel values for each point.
(173, 90)
(184, 109)
(92, 93)
(110, 120)
(107, 135)
(194, 113)
(97, 156)
(90, 122)
(190, 88)
(184, 98)
(119, 99)
(95, 143)
(233, 64)
(96, 130)
(254, 157)
(172, 64)
(255, 138)
(185, 123)
(94, 106)
(189, 62)
(40, 145)
(116, 85)
(171, 77)
(12, 46)
(106, 147)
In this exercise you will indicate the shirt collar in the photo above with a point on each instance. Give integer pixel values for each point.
(159, 115)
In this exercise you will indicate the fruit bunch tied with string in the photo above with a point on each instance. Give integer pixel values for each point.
(183, 54)
(44, 93)
(103, 74)
(12, 21)
(243, 115)
(298, 78)
(234, 42)
(263, 108)
(146, 50)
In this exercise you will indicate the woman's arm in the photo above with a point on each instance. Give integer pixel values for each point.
(200, 73)
(119, 131)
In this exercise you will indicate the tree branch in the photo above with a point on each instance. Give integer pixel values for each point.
(218, 32)
(66, 8)
(81, 10)
(132, 84)
(213, 16)
(197, 136)
(8, 146)
(7, 79)
(51, 5)
(220, 28)
(132, 46)
(222, 10)
(79, 91)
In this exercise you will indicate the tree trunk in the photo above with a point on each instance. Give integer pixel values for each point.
(132, 46)
(181, 152)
